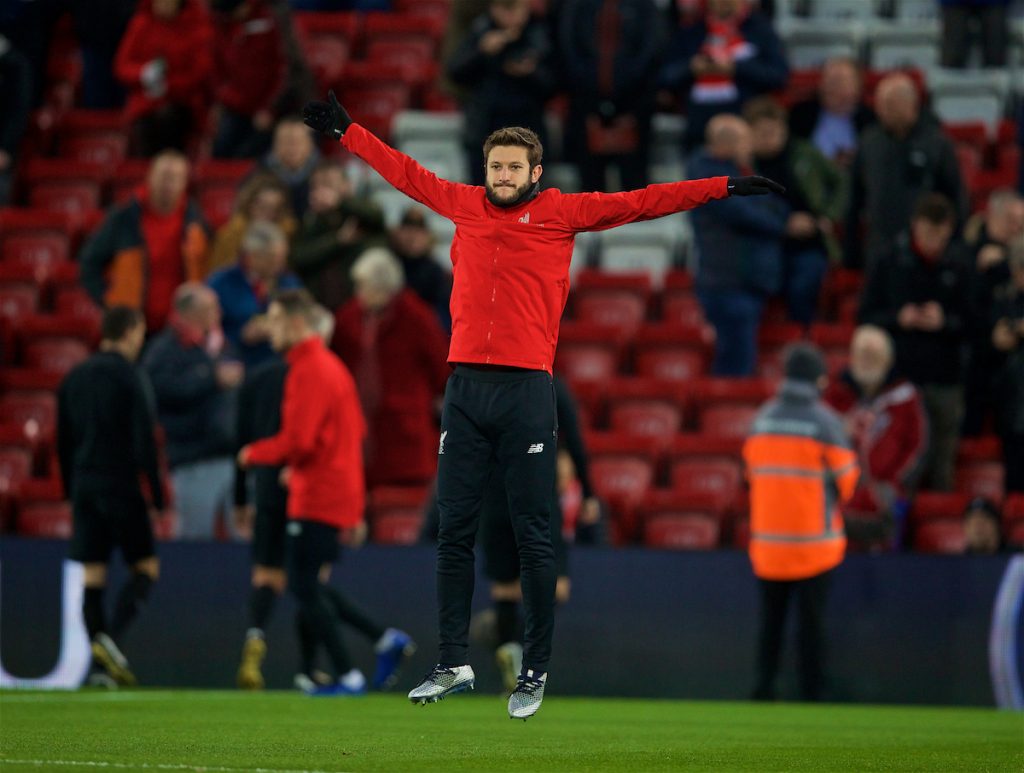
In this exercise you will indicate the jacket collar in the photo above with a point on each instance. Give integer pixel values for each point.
(798, 391)
(304, 348)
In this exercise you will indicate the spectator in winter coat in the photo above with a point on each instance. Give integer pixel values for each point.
(885, 419)
(902, 157)
(148, 246)
(397, 352)
(262, 199)
(834, 119)
(165, 63)
(816, 191)
(503, 65)
(292, 159)
(610, 53)
(251, 66)
(336, 229)
(244, 290)
(195, 380)
(15, 105)
(919, 292)
(412, 241)
(721, 61)
(740, 246)
(1008, 340)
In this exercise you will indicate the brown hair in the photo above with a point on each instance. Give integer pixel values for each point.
(297, 303)
(935, 208)
(118, 321)
(254, 186)
(764, 109)
(516, 137)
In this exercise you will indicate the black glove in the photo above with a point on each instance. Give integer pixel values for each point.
(750, 186)
(327, 118)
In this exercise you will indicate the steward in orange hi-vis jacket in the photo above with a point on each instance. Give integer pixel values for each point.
(801, 468)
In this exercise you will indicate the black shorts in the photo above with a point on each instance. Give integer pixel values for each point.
(108, 518)
(498, 540)
(309, 545)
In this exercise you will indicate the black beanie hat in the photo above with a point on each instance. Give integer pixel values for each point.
(803, 362)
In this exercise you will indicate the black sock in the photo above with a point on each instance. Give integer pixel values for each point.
(130, 602)
(92, 611)
(348, 612)
(509, 627)
(307, 643)
(261, 604)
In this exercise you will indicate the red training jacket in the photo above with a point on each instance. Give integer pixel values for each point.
(321, 438)
(511, 266)
(890, 436)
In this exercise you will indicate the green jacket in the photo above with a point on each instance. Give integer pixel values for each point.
(824, 185)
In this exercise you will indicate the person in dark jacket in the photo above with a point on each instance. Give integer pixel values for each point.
(504, 66)
(244, 290)
(194, 379)
(721, 61)
(251, 66)
(992, 17)
(834, 119)
(412, 241)
(292, 159)
(610, 53)
(511, 253)
(816, 191)
(1008, 340)
(919, 292)
(105, 444)
(147, 247)
(739, 242)
(164, 63)
(336, 229)
(15, 106)
(902, 157)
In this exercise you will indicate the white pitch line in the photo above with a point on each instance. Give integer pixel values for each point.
(148, 766)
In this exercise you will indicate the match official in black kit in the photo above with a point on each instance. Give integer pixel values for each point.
(106, 442)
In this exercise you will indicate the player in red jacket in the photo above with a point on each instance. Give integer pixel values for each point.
(510, 268)
(320, 445)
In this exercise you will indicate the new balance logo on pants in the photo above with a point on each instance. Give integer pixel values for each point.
(536, 448)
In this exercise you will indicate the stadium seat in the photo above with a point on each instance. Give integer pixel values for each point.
(129, 175)
(938, 505)
(588, 352)
(701, 448)
(107, 147)
(17, 300)
(981, 479)
(726, 420)
(59, 355)
(961, 107)
(682, 308)
(396, 514)
(940, 536)
(28, 380)
(1013, 508)
(45, 518)
(401, 27)
(85, 328)
(681, 531)
(376, 106)
(718, 479)
(327, 56)
(414, 50)
(971, 133)
(622, 309)
(35, 237)
(622, 469)
(748, 391)
(222, 171)
(15, 466)
(672, 351)
(72, 198)
(76, 302)
(36, 413)
(652, 418)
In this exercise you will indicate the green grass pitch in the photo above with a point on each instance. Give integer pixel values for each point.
(228, 731)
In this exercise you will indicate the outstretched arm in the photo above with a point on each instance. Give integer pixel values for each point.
(331, 119)
(599, 211)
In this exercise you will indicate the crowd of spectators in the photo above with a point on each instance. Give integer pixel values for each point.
(873, 185)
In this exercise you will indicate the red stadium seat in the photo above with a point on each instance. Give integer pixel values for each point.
(622, 469)
(375, 107)
(588, 352)
(128, 177)
(104, 147)
(832, 336)
(59, 355)
(35, 237)
(987, 448)
(51, 520)
(653, 418)
(681, 532)
(76, 302)
(1013, 508)
(721, 479)
(400, 26)
(396, 514)
(17, 300)
(983, 479)
(938, 505)
(682, 309)
(747, 391)
(36, 413)
(85, 328)
(415, 50)
(637, 282)
(28, 380)
(327, 57)
(727, 420)
(74, 198)
(1013, 533)
(972, 134)
(672, 351)
(616, 308)
(940, 536)
(220, 171)
(698, 447)
(15, 466)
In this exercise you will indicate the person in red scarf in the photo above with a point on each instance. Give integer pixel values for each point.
(244, 290)
(721, 60)
(164, 62)
(918, 293)
(148, 246)
(397, 351)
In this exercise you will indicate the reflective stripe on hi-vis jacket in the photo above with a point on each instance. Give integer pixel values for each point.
(800, 467)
